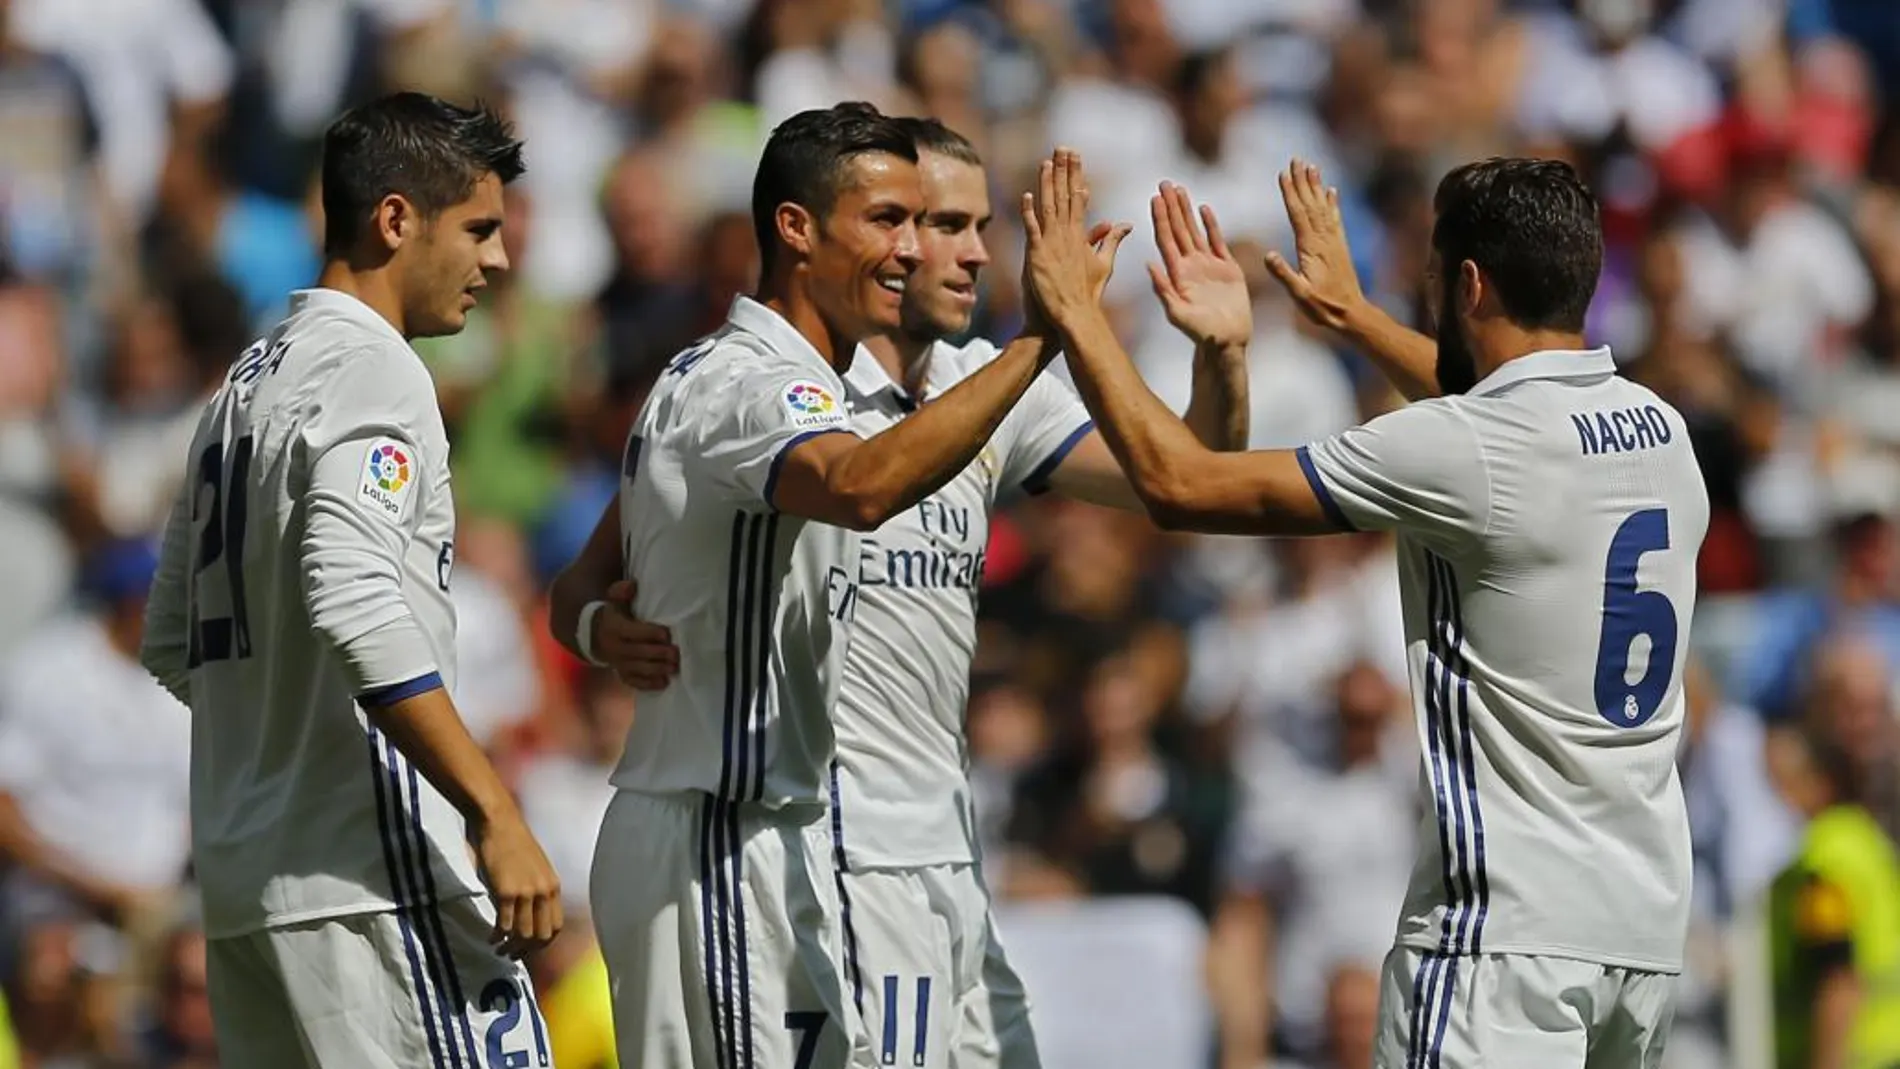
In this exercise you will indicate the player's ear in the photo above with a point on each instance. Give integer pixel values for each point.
(1471, 288)
(396, 220)
(797, 227)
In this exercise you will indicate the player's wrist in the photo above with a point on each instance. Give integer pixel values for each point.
(584, 632)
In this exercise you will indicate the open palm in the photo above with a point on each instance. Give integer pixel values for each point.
(1201, 285)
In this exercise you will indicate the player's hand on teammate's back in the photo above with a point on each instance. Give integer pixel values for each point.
(1202, 287)
(527, 892)
(640, 654)
(1324, 285)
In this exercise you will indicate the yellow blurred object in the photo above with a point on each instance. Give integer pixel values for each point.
(579, 1012)
(9, 1043)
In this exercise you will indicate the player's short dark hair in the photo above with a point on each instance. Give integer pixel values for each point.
(1532, 227)
(428, 150)
(806, 158)
(931, 135)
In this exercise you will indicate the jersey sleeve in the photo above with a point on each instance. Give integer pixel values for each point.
(362, 499)
(164, 649)
(1420, 468)
(754, 418)
(1039, 432)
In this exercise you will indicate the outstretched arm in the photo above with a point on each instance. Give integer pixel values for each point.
(1204, 292)
(1326, 288)
(1182, 483)
(859, 483)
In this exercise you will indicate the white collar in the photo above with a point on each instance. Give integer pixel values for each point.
(868, 377)
(1547, 364)
(346, 305)
(755, 318)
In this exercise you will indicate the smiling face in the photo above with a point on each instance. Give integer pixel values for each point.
(449, 259)
(941, 297)
(864, 249)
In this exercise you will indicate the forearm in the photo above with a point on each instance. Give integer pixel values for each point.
(1217, 410)
(1407, 358)
(586, 579)
(164, 646)
(22, 846)
(1155, 448)
(428, 731)
(899, 467)
(1237, 965)
(1836, 1004)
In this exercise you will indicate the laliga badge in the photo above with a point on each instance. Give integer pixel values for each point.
(389, 478)
(811, 405)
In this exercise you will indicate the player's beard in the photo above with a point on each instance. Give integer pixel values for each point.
(1457, 369)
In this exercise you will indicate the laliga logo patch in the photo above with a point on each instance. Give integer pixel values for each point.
(388, 478)
(811, 405)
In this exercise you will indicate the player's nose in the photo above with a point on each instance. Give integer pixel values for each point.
(908, 251)
(976, 254)
(494, 257)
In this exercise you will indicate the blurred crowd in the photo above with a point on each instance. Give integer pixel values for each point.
(1223, 723)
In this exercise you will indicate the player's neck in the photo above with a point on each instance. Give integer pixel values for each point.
(790, 299)
(906, 359)
(373, 287)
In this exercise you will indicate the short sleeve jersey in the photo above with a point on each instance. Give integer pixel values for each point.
(758, 602)
(903, 795)
(1548, 525)
(312, 546)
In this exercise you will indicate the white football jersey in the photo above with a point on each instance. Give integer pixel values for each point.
(758, 602)
(1549, 522)
(306, 570)
(903, 795)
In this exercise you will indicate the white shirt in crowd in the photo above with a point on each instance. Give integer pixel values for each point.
(96, 755)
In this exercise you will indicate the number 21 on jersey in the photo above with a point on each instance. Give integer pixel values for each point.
(220, 484)
(1629, 614)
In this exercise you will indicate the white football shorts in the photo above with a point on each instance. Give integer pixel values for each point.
(928, 974)
(720, 926)
(1440, 1011)
(393, 990)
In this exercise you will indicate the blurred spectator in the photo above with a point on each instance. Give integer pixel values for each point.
(564, 794)
(1314, 878)
(1352, 1020)
(172, 351)
(156, 73)
(37, 568)
(94, 760)
(1834, 916)
(181, 1034)
(1113, 812)
(51, 198)
(1792, 623)
(1770, 270)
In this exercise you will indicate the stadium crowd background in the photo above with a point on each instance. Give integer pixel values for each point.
(1171, 736)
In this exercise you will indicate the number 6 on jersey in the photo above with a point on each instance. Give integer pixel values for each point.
(1629, 613)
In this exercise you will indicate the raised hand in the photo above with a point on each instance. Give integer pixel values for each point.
(1324, 285)
(1067, 264)
(641, 654)
(1202, 287)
